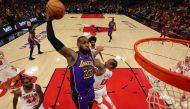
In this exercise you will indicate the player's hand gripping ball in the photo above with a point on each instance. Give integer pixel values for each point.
(55, 9)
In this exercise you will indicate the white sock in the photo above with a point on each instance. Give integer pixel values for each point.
(102, 106)
(107, 98)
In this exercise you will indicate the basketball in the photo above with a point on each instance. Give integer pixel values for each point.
(55, 9)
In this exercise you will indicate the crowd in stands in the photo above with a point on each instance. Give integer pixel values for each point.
(98, 6)
(174, 12)
(13, 11)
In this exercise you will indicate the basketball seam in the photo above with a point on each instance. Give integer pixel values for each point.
(49, 9)
(49, 5)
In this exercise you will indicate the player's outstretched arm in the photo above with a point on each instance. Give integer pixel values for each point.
(98, 64)
(101, 56)
(15, 99)
(98, 50)
(100, 67)
(68, 53)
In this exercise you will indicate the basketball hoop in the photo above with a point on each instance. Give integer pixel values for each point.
(170, 90)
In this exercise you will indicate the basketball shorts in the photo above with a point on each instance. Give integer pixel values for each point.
(84, 101)
(100, 93)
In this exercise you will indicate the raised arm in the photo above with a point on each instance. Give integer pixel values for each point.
(101, 56)
(98, 64)
(98, 50)
(100, 68)
(17, 93)
(68, 53)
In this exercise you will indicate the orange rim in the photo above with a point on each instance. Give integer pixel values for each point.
(172, 78)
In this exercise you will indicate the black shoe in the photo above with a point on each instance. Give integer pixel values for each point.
(109, 40)
(31, 58)
(40, 52)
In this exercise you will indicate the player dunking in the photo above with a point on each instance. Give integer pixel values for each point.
(81, 68)
(92, 41)
(32, 40)
(31, 95)
(103, 74)
(111, 27)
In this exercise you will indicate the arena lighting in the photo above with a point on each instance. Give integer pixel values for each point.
(32, 70)
(58, 59)
(123, 59)
(118, 57)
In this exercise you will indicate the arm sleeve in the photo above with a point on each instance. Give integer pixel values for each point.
(57, 44)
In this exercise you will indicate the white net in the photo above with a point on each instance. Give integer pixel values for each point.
(172, 56)
(165, 96)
